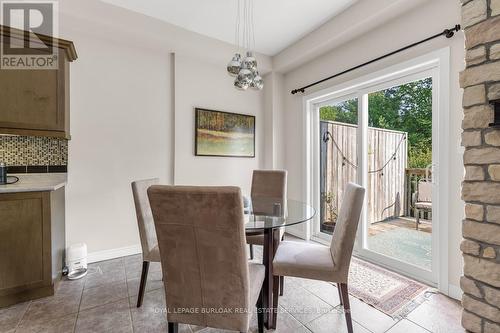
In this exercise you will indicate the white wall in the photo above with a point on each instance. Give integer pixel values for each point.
(122, 117)
(120, 125)
(390, 36)
(202, 85)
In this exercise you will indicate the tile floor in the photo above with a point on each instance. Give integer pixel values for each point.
(104, 301)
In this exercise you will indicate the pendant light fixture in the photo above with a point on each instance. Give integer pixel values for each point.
(245, 69)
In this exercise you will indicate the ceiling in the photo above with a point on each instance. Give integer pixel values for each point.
(278, 23)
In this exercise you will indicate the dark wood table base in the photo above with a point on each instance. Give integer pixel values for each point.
(271, 283)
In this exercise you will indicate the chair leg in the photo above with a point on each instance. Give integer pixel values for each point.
(251, 251)
(260, 311)
(282, 285)
(340, 294)
(142, 285)
(347, 307)
(417, 213)
(173, 328)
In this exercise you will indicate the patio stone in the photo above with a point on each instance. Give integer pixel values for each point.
(495, 52)
(470, 247)
(484, 232)
(495, 7)
(471, 322)
(489, 252)
(492, 138)
(484, 310)
(482, 155)
(494, 171)
(492, 296)
(482, 73)
(494, 92)
(477, 117)
(486, 192)
(482, 270)
(474, 12)
(476, 56)
(470, 287)
(482, 33)
(474, 95)
(493, 214)
(474, 173)
(474, 212)
(471, 138)
(491, 328)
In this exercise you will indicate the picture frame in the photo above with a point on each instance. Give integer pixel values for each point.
(224, 134)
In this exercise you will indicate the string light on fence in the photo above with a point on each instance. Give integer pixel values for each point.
(327, 135)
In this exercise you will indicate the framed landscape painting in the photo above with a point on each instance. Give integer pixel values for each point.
(219, 133)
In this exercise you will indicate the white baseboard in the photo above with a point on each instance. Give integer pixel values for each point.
(114, 253)
(455, 292)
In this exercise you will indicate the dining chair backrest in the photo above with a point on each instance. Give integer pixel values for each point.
(345, 230)
(145, 221)
(424, 191)
(268, 189)
(201, 236)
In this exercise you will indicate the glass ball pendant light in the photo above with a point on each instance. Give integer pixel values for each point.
(249, 62)
(233, 67)
(244, 79)
(257, 81)
(245, 69)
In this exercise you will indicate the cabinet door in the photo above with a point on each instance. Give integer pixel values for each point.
(33, 99)
(24, 241)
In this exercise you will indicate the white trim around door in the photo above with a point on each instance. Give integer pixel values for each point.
(435, 65)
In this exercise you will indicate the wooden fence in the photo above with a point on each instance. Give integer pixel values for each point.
(387, 162)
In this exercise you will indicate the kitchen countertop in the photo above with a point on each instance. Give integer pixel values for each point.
(35, 182)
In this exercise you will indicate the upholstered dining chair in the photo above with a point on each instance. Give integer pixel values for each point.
(268, 189)
(318, 262)
(201, 235)
(147, 232)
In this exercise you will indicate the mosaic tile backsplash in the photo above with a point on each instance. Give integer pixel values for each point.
(33, 151)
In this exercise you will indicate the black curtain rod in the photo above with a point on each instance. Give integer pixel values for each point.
(448, 33)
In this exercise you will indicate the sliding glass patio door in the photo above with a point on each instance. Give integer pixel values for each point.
(381, 136)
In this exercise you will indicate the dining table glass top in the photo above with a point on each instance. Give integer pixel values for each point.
(279, 215)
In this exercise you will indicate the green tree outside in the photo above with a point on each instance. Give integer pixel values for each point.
(406, 108)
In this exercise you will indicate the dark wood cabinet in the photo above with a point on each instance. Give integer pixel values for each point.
(32, 244)
(36, 102)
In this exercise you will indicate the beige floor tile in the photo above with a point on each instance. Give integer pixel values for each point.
(302, 304)
(151, 316)
(103, 294)
(324, 290)
(11, 316)
(154, 282)
(406, 326)
(112, 317)
(369, 317)
(103, 274)
(334, 321)
(438, 314)
(64, 324)
(52, 307)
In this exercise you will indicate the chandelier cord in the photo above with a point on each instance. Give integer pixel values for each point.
(237, 30)
(347, 161)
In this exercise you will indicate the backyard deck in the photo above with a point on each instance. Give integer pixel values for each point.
(399, 239)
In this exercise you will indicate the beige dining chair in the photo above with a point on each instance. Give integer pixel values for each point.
(147, 233)
(268, 191)
(201, 235)
(318, 262)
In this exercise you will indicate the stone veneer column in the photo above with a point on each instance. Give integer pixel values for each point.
(481, 186)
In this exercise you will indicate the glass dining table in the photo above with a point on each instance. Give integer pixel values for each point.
(278, 215)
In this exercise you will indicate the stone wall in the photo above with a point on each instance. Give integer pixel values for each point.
(481, 186)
